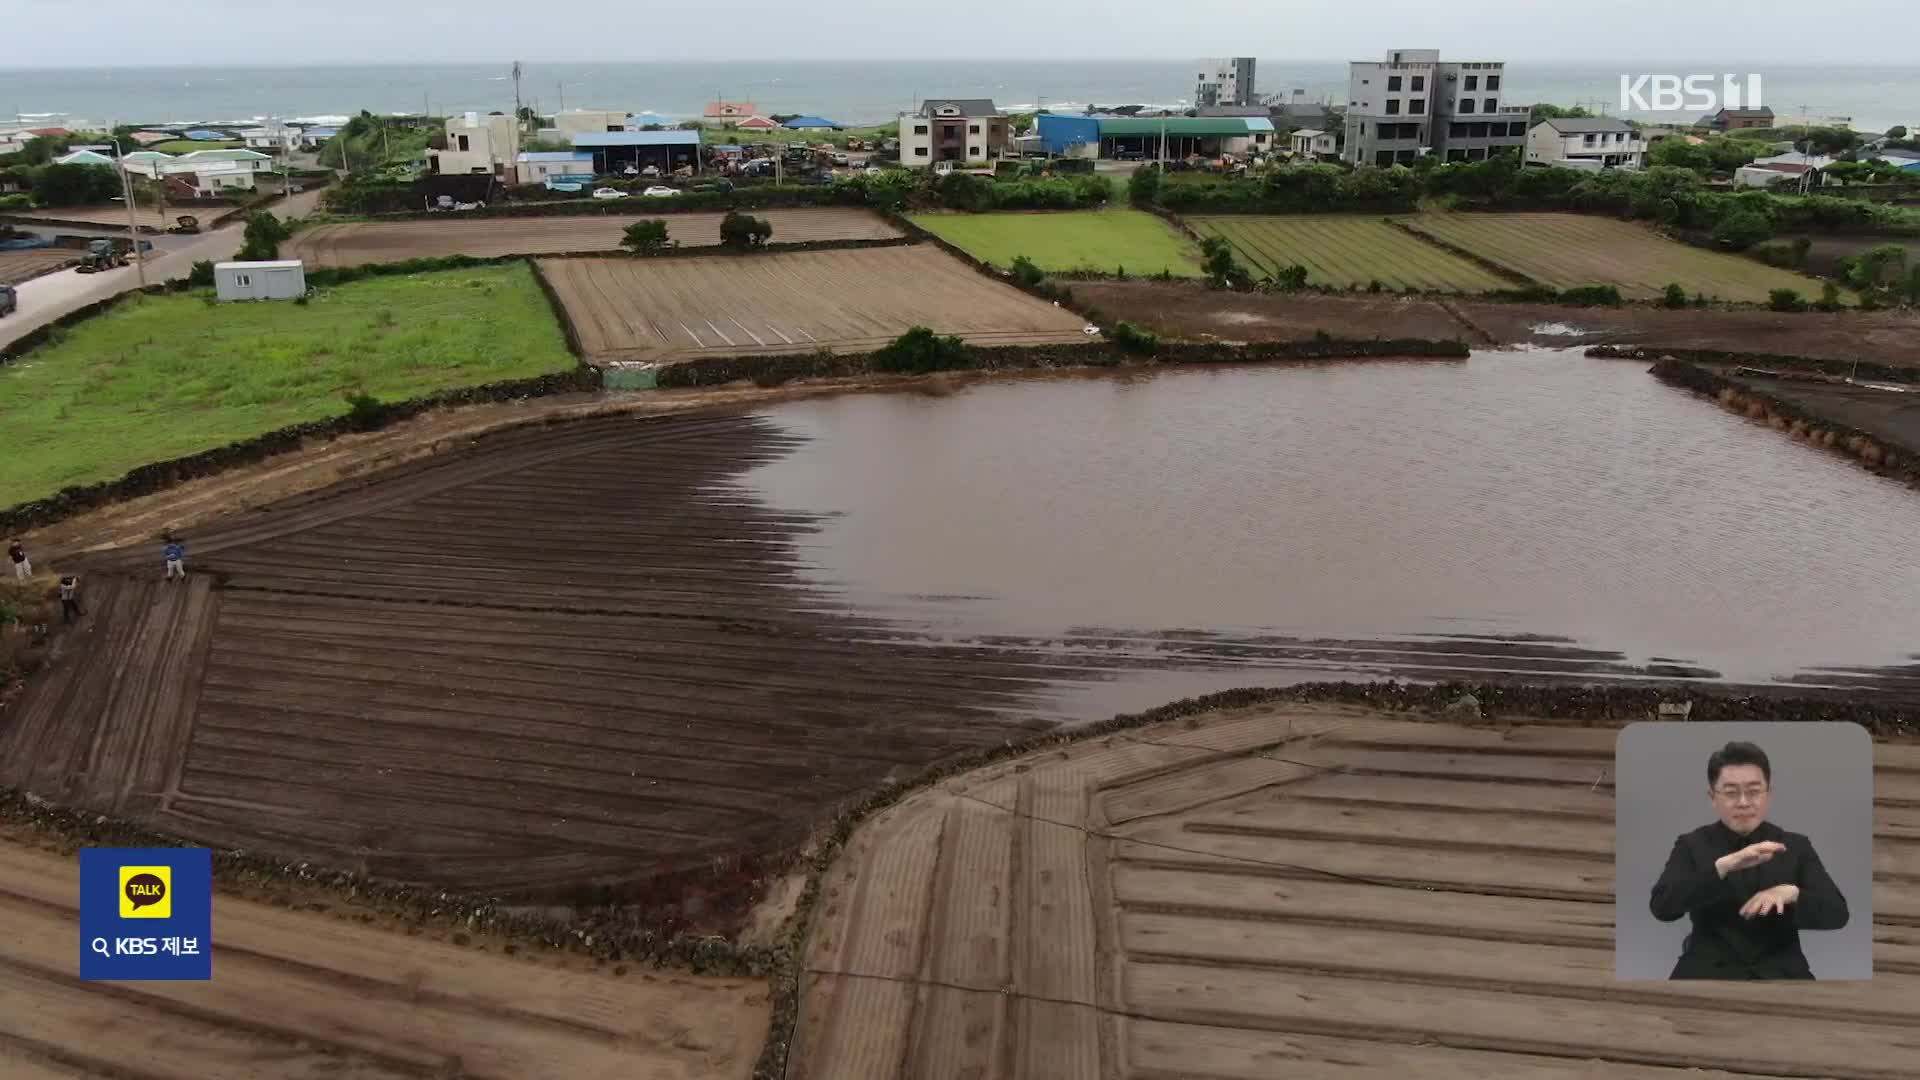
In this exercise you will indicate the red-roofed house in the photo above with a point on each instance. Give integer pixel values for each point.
(756, 123)
(51, 133)
(729, 112)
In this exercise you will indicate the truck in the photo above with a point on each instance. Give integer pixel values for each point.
(101, 255)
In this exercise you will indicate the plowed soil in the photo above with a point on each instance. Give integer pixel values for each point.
(307, 995)
(662, 310)
(18, 266)
(353, 243)
(1303, 891)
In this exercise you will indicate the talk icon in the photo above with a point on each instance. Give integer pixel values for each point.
(146, 892)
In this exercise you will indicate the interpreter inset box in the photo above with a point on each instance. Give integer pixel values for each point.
(1743, 851)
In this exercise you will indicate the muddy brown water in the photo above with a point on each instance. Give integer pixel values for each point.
(1533, 513)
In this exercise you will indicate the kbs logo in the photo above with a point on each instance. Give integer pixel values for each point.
(1695, 93)
(146, 892)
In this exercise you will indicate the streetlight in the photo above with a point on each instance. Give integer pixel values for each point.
(133, 225)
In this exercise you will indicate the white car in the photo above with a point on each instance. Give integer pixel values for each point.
(659, 192)
(608, 193)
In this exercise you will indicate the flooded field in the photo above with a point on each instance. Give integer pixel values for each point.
(1535, 512)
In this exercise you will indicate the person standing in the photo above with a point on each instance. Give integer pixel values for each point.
(22, 566)
(176, 555)
(70, 599)
(1749, 886)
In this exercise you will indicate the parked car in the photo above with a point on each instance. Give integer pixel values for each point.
(608, 193)
(9, 300)
(942, 167)
(659, 192)
(840, 159)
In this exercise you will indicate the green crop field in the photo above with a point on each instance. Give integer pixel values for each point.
(1104, 241)
(187, 146)
(160, 377)
(1344, 250)
(1565, 250)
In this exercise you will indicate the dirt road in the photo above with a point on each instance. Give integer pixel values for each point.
(306, 994)
(1294, 890)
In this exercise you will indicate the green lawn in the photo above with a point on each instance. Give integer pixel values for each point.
(165, 376)
(182, 146)
(1099, 240)
(1344, 250)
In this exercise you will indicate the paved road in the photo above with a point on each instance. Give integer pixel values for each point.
(48, 297)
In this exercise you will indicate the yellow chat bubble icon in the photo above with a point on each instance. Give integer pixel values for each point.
(146, 892)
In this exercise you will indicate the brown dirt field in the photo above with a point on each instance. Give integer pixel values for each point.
(662, 310)
(353, 243)
(19, 266)
(304, 994)
(115, 214)
(1191, 310)
(1257, 893)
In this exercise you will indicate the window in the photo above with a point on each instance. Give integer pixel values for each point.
(1473, 82)
(1383, 158)
(1393, 107)
(919, 129)
(1418, 106)
(1393, 83)
(973, 129)
(1493, 82)
(1517, 129)
(1466, 104)
(463, 144)
(243, 280)
(975, 151)
(1419, 83)
(1458, 131)
(1589, 139)
(919, 151)
(1479, 131)
(1490, 105)
(1456, 154)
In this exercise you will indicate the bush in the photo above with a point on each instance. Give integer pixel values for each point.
(1143, 189)
(1699, 299)
(201, 276)
(1026, 272)
(263, 236)
(743, 232)
(1131, 338)
(920, 349)
(364, 411)
(1374, 286)
(1222, 271)
(1829, 298)
(1291, 278)
(645, 237)
(1592, 296)
(1741, 230)
(1785, 300)
(16, 202)
(1801, 246)
(1675, 297)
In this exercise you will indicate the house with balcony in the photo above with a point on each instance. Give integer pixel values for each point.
(1587, 142)
(1413, 103)
(965, 131)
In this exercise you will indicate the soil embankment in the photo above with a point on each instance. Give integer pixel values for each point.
(1301, 888)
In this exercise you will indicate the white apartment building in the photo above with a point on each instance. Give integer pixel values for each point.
(1413, 103)
(966, 131)
(1225, 82)
(488, 145)
(1602, 141)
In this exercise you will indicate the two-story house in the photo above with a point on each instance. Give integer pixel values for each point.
(966, 131)
(477, 144)
(1587, 142)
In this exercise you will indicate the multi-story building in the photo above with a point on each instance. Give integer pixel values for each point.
(966, 131)
(477, 144)
(1225, 82)
(1413, 103)
(1588, 142)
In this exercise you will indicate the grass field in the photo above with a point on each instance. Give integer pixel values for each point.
(1099, 240)
(164, 376)
(1345, 250)
(187, 146)
(1565, 250)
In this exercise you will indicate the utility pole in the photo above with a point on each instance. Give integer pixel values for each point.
(562, 88)
(519, 121)
(133, 226)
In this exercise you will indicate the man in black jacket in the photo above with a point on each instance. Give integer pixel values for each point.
(1749, 885)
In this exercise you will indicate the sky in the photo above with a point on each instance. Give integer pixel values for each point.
(239, 32)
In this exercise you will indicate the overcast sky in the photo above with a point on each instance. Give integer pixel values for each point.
(236, 32)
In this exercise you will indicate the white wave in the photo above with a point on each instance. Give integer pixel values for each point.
(1558, 329)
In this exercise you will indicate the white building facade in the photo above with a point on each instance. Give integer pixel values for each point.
(1602, 141)
(1309, 143)
(1225, 82)
(475, 143)
(968, 132)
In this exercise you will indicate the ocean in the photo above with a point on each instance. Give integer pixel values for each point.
(853, 91)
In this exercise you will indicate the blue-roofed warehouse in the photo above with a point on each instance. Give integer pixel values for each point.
(616, 151)
(1141, 136)
(814, 122)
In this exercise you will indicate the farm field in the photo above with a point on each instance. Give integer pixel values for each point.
(1309, 890)
(114, 215)
(571, 654)
(299, 993)
(1566, 250)
(18, 266)
(1064, 241)
(159, 377)
(1346, 250)
(353, 243)
(675, 309)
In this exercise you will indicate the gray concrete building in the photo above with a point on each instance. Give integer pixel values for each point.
(1225, 82)
(1414, 103)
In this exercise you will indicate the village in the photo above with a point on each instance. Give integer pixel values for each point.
(447, 521)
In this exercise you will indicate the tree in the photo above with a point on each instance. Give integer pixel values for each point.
(263, 236)
(1848, 171)
(74, 185)
(1143, 188)
(743, 232)
(1680, 154)
(1742, 229)
(1217, 260)
(1897, 131)
(1559, 112)
(1730, 154)
(646, 237)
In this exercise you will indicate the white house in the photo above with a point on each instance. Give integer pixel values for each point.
(564, 166)
(1588, 142)
(85, 157)
(272, 139)
(1311, 143)
(965, 131)
(488, 145)
(279, 280)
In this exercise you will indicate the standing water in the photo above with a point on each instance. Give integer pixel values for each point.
(1574, 510)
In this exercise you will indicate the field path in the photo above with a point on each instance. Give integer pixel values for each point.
(1308, 890)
